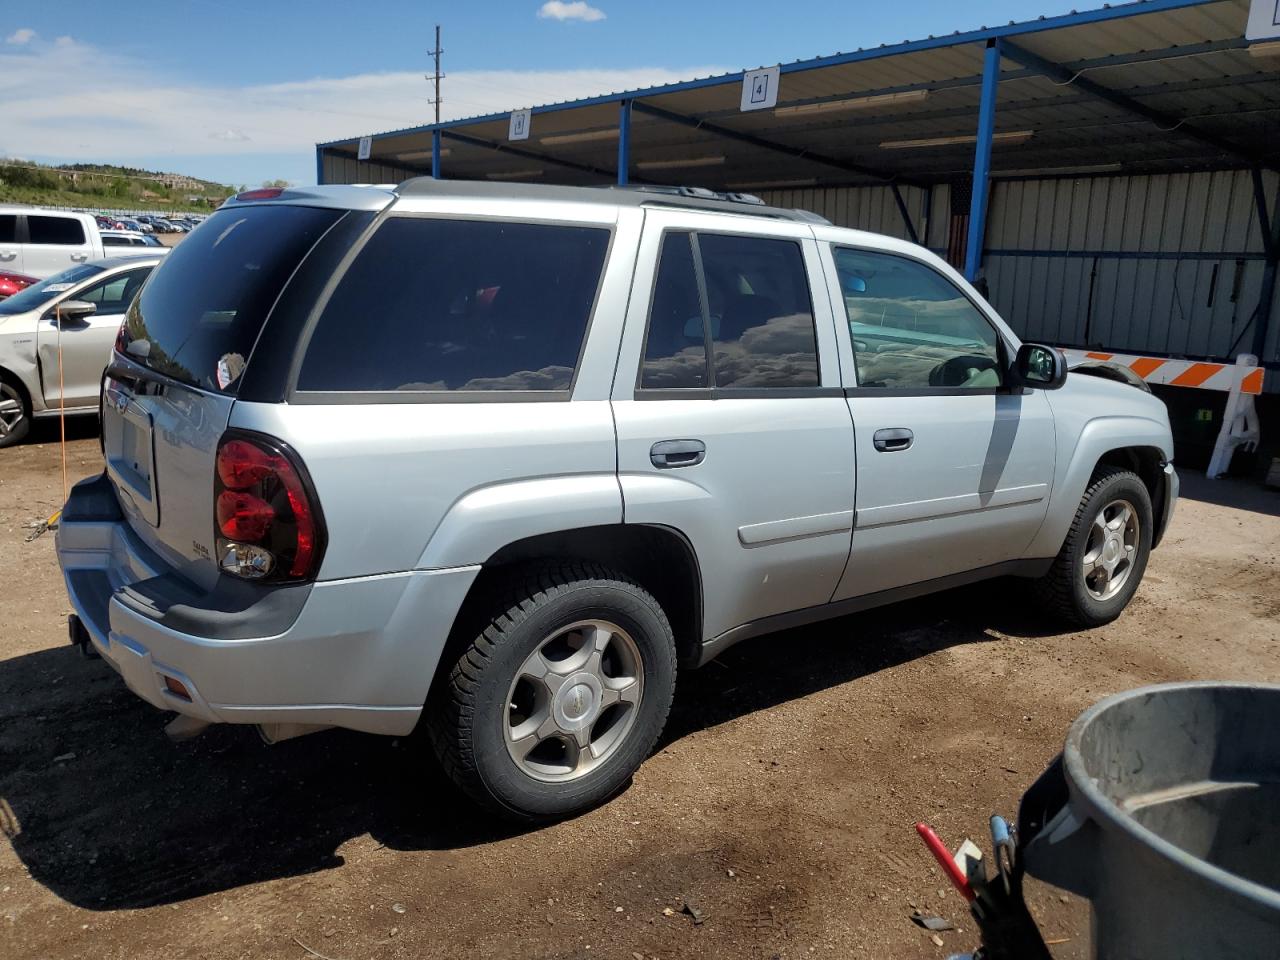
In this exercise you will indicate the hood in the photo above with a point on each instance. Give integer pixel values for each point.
(1111, 396)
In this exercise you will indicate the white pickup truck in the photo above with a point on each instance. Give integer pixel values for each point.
(40, 243)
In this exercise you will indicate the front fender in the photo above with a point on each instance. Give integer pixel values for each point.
(1098, 437)
(485, 520)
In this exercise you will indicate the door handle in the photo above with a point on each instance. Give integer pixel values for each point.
(892, 439)
(79, 257)
(8, 255)
(666, 454)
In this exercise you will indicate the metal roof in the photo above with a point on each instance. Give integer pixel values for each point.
(1144, 87)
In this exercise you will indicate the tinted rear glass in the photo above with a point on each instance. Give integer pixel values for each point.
(459, 305)
(56, 230)
(200, 314)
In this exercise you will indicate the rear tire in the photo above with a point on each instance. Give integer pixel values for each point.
(15, 412)
(562, 695)
(1105, 553)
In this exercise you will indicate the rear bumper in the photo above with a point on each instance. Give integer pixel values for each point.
(357, 653)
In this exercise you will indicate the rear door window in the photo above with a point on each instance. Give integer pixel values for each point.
(199, 316)
(8, 227)
(747, 297)
(761, 314)
(63, 231)
(675, 353)
(434, 305)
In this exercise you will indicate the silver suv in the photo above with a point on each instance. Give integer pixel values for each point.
(493, 461)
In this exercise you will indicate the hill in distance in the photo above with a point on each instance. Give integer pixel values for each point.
(106, 186)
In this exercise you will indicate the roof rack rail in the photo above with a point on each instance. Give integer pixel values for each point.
(697, 193)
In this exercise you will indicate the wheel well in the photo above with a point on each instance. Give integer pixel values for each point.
(1147, 463)
(8, 376)
(660, 559)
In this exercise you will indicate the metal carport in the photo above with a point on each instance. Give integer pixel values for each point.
(1111, 174)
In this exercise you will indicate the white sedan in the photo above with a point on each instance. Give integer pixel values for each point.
(75, 315)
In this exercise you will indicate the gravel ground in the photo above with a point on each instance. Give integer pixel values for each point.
(780, 801)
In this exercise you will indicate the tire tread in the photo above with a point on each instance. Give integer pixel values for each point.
(509, 601)
(1056, 589)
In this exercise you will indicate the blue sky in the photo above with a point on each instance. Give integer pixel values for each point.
(240, 91)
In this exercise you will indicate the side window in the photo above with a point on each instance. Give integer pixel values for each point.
(757, 306)
(912, 328)
(114, 294)
(459, 305)
(8, 227)
(758, 292)
(112, 241)
(675, 353)
(65, 231)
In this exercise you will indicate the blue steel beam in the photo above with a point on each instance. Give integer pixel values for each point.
(1103, 15)
(624, 142)
(982, 160)
(435, 154)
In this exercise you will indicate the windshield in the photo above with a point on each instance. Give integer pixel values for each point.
(199, 315)
(38, 294)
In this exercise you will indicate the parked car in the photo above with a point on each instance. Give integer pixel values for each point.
(90, 300)
(40, 243)
(593, 435)
(131, 238)
(138, 226)
(11, 283)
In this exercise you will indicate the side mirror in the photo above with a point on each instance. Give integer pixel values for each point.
(73, 311)
(1039, 366)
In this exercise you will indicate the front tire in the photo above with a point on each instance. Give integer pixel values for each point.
(15, 413)
(560, 698)
(1105, 553)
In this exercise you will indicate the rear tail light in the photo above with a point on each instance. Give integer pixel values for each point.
(267, 518)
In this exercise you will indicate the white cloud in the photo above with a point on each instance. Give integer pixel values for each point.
(577, 10)
(64, 41)
(21, 36)
(124, 110)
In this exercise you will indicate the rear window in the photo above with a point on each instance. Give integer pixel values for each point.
(200, 314)
(459, 305)
(63, 231)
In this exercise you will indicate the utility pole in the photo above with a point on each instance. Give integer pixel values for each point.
(438, 76)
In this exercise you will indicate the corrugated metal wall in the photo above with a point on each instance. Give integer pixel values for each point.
(347, 170)
(1174, 262)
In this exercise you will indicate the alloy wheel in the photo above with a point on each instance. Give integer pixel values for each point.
(574, 701)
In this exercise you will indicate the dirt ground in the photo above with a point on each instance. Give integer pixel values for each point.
(781, 799)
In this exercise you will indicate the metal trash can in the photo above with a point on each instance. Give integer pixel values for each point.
(1164, 811)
